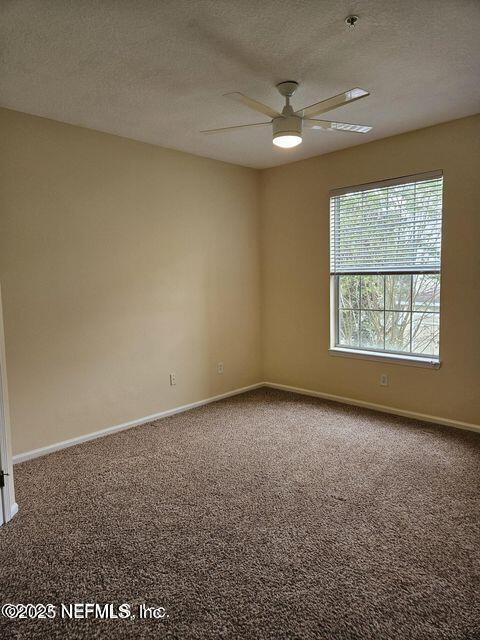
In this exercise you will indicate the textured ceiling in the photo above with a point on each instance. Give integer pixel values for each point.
(155, 70)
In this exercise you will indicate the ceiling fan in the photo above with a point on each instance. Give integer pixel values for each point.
(287, 126)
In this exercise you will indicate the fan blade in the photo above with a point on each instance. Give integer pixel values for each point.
(253, 104)
(333, 103)
(238, 126)
(326, 125)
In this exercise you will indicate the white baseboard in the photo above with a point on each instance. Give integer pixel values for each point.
(36, 453)
(377, 407)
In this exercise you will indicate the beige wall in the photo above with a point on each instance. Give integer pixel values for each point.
(119, 263)
(295, 259)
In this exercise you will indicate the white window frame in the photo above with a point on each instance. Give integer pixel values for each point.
(433, 362)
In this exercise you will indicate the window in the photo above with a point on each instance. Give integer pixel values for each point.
(385, 242)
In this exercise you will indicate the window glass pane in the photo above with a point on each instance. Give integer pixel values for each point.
(349, 292)
(372, 330)
(426, 292)
(397, 330)
(348, 328)
(425, 333)
(398, 291)
(372, 292)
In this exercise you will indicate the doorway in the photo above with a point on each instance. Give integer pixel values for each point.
(8, 506)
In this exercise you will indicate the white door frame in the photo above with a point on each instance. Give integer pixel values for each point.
(8, 503)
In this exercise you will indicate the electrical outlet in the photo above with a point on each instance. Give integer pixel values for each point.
(384, 380)
(219, 368)
(173, 379)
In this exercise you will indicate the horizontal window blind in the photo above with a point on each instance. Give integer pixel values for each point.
(388, 227)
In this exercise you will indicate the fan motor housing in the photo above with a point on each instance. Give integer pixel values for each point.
(287, 126)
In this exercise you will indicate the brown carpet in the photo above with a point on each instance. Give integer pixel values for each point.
(267, 515)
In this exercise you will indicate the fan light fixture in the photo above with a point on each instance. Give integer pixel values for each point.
(287, 131)
(287, 141)
(287, 126)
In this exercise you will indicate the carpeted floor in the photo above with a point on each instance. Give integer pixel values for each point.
(267, 515)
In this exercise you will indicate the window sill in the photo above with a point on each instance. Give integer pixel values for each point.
(413, 361)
